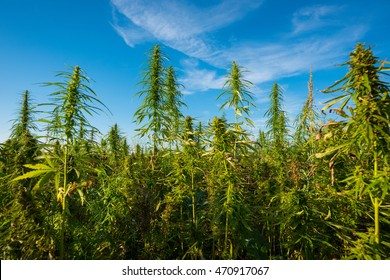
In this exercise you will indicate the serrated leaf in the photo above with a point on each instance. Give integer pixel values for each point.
(38, 166)
(335, 100)
(42, 181)
(31, 174)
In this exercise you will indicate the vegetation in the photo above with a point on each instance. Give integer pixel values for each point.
(201, 191)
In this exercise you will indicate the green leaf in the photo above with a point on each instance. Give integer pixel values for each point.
(366, 82)
(42, 181)
(31, 174)
(38, 166)
(335, 100)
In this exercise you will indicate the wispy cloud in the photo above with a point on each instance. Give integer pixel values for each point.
(179, 24)
(197, 79)
(315, 17)
(133, 35)
(271, 61)
(316, 37)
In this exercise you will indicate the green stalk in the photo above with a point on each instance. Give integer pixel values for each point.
(193, 200)
(237, 127)
(227, 211)
(181, 228)
(376, 200)
(227, 221)
(63, 214)
(376, 210)
(62, 228)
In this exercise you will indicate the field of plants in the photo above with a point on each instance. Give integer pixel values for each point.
(318, 190)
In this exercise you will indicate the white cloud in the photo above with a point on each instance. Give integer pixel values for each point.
(184, 27)
(271, 61)
(197, 79)
(133, 34)
(179, 24)
(315, 17)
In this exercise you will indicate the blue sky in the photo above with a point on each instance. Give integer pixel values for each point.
(276, 41)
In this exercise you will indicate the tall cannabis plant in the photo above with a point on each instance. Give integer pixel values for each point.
(238, 96)
(306, 120)
(229, 214)
(173, 103)
(19, 215)
(22, 134)
(364, 108)
(62, 166)
(25, 123)
(72, 103)
(154, 93)
(277, 119)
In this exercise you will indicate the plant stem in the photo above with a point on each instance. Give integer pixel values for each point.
(376, 210)
(63, 213)
(193, 200)
(376, 200)
(227, 211)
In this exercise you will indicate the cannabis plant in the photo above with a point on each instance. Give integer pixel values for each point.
(153, 107)
(62, 167)
(364, 109)
(238, 96)
(173, 103)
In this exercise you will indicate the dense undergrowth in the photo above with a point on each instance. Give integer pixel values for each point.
(201, 191)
